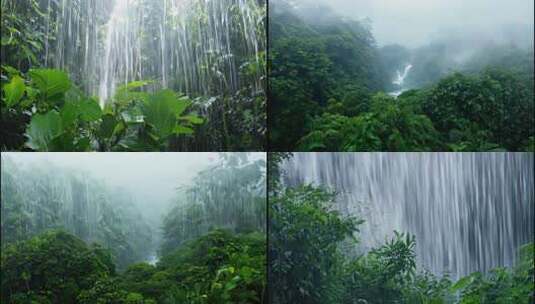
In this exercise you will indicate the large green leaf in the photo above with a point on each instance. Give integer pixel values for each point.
(69, 113)
(52, 83)
(90, 110)
(162, 110)
(14, 91)
(42, 130)
(181, 105)
(86, 109)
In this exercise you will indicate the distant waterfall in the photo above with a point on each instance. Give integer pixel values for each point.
(400, 80)
(469, 211)
(193, 46)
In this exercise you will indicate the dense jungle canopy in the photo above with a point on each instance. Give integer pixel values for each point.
(333, 87)
(73, 236)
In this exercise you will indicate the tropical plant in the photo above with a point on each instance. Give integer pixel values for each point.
(61, 118)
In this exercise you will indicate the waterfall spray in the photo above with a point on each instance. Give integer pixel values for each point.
(192, 46)
(400, 79)
(469, 211)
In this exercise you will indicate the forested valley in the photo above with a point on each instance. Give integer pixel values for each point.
(334, 88)
(133, 75)
(340, 232)
(75, 236)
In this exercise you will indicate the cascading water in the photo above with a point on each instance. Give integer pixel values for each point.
(401, 76)
(400, 80)
(121, 49)
(37, 198)
(193, 46)
(469, 211)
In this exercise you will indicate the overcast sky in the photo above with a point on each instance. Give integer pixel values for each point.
(150, 177)
(414, 22)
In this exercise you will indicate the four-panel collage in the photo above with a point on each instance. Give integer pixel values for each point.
(267, 151)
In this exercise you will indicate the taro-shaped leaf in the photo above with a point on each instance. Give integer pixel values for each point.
(162, 111)
(90, 110)
(87, 109)
(69, 113)
(14, 91)
(42, 130)
(51, 83)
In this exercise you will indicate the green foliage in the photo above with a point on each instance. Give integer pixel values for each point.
(62, 118)
(161, 112)
(52, 84)
(14, 91)
(313, 259)
(482, 112)
(227, 83)
(313, 60)
(43, 129)
(488, 112)
(501, 285)
(383, 274)
(35, 199)
(390, 125)
(55, 266)
(230, 194)
(274, 168)
(326, 74)
(235, 123)
(23, 33)
(219, 267)
(305, 261)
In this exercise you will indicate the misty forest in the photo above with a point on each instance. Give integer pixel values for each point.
(151, 228)
(363, 75)
(401, 228)
(133, 75)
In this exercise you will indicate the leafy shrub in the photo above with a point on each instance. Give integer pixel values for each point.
(305, 262)
(54, 266)
(63, 119)
(388, 126)
(218, 267)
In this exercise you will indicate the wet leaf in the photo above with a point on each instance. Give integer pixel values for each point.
(14, 91)
(42, 130)
(90, 110)
(51, 83)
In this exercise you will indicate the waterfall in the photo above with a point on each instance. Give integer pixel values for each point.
(120, 56)
(196, 47)
(469, 211)
(39, 197)
(400, 79)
